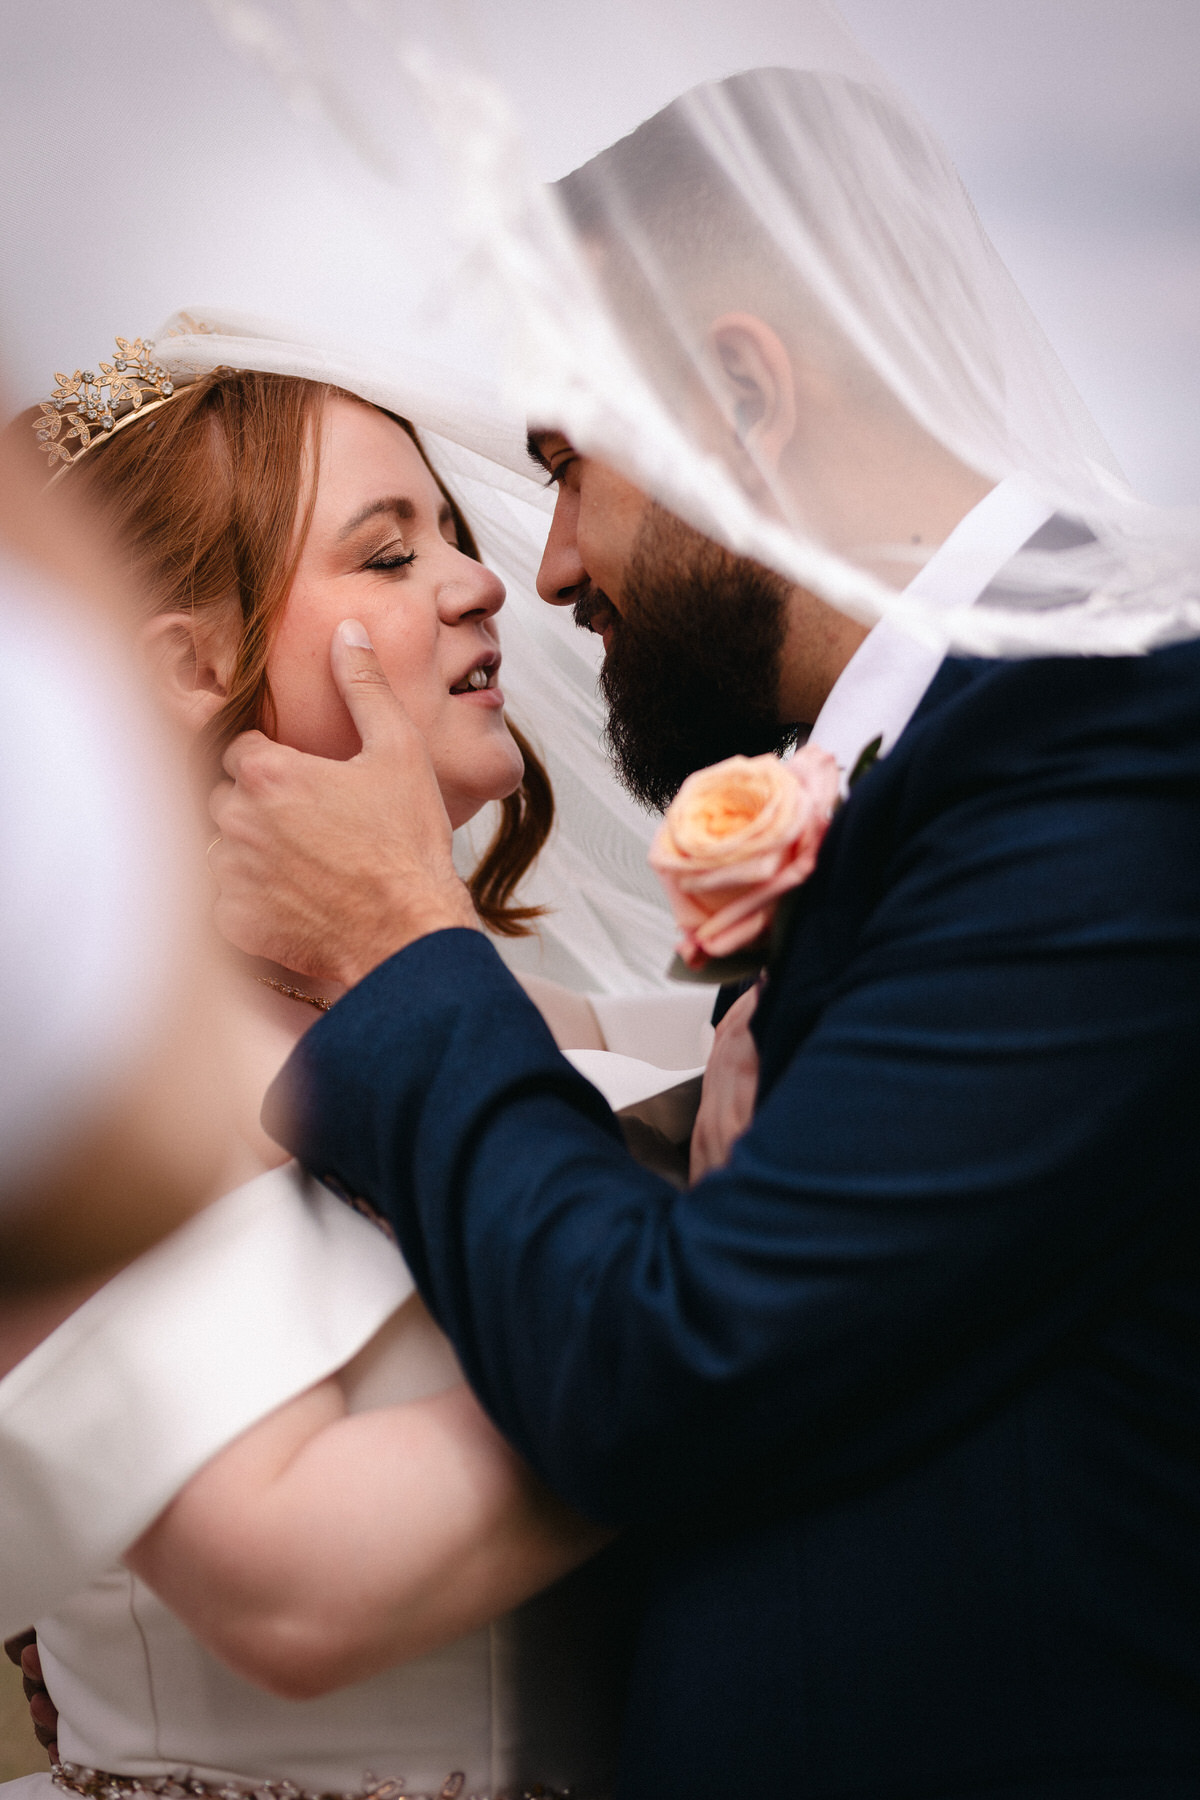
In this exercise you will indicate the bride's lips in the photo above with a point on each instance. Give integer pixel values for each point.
(479, 694)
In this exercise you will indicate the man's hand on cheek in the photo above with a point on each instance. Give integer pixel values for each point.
(329, 867)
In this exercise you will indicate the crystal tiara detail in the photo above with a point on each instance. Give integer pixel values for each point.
(88, 408)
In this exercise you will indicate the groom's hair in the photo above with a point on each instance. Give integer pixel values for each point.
(832, 163)
(662, 190)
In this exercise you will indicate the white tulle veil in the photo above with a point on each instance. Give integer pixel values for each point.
(605, 928)
(808, 193)
(789, 182)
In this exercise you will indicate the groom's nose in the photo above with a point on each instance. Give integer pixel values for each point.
(562, 575)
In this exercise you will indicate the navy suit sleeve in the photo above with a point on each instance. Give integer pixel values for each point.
(978, 1140)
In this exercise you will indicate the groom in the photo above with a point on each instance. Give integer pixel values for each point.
(902, 1403)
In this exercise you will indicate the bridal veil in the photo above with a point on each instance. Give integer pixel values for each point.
(806, 193)
(787, 182)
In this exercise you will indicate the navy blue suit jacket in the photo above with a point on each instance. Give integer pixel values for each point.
(904, 1403)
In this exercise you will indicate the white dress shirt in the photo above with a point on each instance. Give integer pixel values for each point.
(885, 680)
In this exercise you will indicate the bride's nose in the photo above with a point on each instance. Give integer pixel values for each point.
(469, 587)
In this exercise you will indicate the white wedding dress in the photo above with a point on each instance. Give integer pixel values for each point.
(267, 1291)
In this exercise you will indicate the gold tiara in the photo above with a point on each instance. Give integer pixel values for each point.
(89, 408)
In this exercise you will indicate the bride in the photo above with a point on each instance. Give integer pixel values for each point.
(336, 1504)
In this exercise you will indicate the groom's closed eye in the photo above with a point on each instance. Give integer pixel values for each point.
(551, 452)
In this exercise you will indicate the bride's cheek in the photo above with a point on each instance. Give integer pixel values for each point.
(310, 714)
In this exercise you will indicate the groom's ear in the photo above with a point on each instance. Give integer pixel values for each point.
(756, 383)
(191, 662)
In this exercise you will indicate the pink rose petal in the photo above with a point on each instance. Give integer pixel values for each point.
(736, 837)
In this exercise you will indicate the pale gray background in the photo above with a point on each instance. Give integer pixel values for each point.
(147, 166)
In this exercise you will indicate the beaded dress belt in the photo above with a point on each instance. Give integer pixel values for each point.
(98, 1784)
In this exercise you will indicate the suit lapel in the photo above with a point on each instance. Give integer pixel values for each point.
(817, 927)
(819, 923)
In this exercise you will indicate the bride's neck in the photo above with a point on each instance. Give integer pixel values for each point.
(302, 990)
(268, 1019)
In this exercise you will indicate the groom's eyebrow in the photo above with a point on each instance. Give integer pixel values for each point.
(396, 505)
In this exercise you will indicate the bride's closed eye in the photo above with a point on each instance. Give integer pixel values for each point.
(391, 559)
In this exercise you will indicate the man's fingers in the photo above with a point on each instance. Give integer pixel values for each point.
(15, 1645)
(218, 800)
(255, 764)
(243, 749)
(730, 1087)
(740, 1013)
(377, 712)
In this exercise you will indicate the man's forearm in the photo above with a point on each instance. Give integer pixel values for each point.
(375, 939)
(844, 1292)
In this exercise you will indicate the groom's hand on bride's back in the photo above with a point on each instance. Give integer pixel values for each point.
(329, 867)
(22, 1650)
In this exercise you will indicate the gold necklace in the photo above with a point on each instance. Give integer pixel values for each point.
(281, 987)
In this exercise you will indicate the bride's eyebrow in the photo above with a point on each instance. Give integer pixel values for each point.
(399, 508)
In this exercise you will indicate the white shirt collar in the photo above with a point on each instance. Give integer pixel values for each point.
(885, 680)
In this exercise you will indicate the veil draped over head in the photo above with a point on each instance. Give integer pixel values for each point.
(772, 307)
(604, 929)
(809, 196)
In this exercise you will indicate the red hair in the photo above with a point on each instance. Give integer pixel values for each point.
(206, 493)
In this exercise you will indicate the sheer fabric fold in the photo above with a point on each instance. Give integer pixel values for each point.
(807, 195)
(606, 929)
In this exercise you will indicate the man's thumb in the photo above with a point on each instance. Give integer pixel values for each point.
(375, 709)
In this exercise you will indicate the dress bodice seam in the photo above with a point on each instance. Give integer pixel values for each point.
(148, 1661)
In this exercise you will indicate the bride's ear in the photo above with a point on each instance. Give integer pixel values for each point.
(192, 662)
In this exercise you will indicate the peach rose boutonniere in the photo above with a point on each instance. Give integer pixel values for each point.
(735, 839)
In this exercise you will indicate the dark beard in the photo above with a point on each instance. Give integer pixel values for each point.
(692, 671)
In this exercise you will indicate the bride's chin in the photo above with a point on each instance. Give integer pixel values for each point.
(493, 776)
(510, 765)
